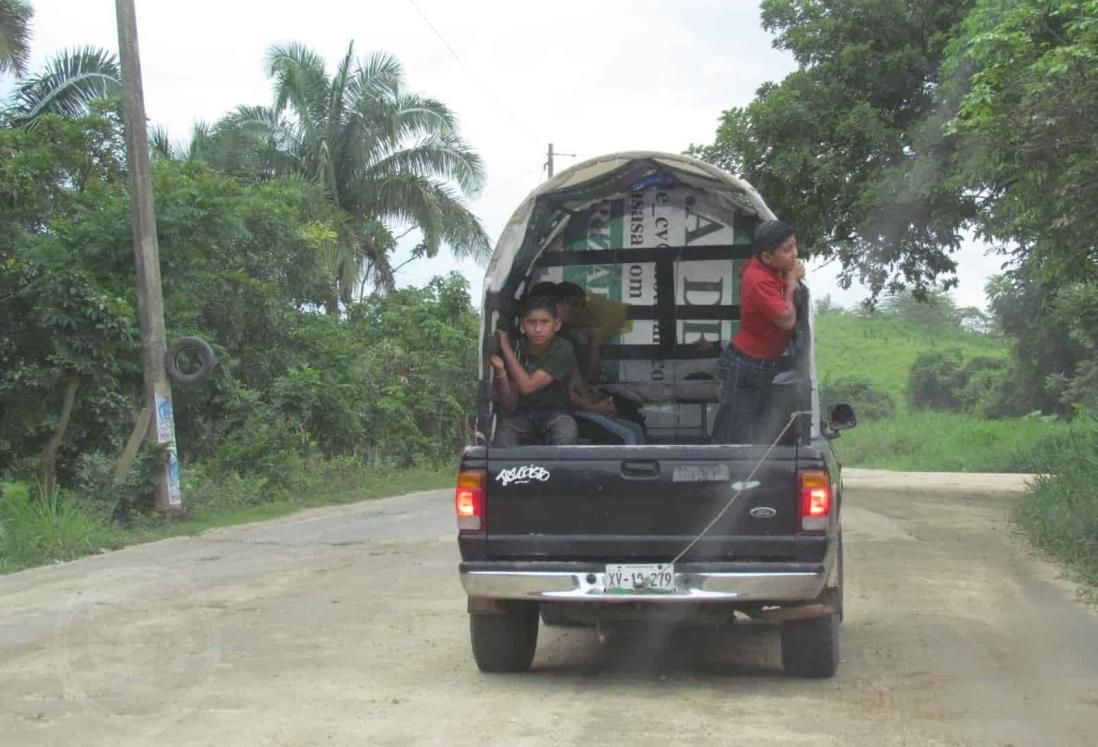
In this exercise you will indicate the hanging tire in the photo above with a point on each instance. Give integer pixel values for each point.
(810, 648)
(186, 345)
(505, 642)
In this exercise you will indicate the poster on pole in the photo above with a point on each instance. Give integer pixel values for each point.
(165, 434)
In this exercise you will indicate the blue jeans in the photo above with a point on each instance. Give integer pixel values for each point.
(744, 398)
(629, 432)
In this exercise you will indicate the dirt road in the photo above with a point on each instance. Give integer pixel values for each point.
(347, 626)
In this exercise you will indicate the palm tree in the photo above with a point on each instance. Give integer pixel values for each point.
(68, 85)
(15, 18)
(382, 154)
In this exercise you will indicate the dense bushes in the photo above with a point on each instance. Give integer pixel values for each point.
(942, 380)
(388, 380)
(869, 401)
(1060, 511)
(935, 381)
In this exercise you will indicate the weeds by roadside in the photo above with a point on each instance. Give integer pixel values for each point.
(1060, 511)
(70, 524)
(926, 441)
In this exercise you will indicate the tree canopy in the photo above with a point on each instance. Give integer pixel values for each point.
(385, 156)
(907, 123)
(15, 16)
(844, 146)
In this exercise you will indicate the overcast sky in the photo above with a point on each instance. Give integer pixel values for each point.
(591, 77)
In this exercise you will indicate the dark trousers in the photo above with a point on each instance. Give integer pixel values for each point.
(744, 400)
(551, 426)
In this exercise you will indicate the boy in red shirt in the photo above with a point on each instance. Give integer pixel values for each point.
(767, 318)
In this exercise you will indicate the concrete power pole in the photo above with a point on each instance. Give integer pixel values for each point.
(150, 301)
(549, 156)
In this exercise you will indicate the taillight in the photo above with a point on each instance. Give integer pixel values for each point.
(815, 503)
(469, 500)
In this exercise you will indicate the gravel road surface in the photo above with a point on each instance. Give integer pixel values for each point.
(347, 626)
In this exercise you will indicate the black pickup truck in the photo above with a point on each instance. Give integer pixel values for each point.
(677, 527)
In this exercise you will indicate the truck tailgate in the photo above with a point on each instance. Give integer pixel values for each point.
(640, 502)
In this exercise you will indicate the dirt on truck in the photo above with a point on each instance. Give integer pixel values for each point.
(676, 526)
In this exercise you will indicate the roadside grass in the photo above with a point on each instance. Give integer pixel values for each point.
(924, 441)
(1060, 511)
(35, 532)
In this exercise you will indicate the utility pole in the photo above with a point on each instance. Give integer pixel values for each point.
(549, 159)
(150, 300)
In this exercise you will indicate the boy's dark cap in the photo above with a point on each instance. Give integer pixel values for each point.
(567, 290)
(770, 234)
(544, 288)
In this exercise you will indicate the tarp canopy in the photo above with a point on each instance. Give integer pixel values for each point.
(656, 240)
(604, 178)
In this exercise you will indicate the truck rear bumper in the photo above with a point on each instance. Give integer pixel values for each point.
(694, 582)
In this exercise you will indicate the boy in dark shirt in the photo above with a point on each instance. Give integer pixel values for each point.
(534, 382)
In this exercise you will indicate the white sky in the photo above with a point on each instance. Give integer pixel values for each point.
(592, 77)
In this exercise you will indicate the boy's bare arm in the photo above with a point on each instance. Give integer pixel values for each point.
(507, 392)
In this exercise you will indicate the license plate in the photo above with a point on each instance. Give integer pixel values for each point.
(640, 579)
(701, 473)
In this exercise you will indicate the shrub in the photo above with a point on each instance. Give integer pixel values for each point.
(989, 388)
(1060, 510)
(936, 380)
(869, 401)
(98, 492)
(37, 528)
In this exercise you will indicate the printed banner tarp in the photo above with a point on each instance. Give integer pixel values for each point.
(657, 217)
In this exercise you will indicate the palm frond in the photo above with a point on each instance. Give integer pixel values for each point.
(256, 142)
(15, 16)
(462, 230)
(445, 157)
(201, 142)
(337, 101)
(160, 144)
(70, 82)
(432, 207)
(378, 74)
(300, 81)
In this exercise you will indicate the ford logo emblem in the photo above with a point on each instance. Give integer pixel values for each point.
(763, 512)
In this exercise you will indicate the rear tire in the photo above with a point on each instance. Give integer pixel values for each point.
(810, 648)
(505, 642)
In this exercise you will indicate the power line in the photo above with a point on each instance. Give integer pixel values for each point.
(509, 182)
(495, 99)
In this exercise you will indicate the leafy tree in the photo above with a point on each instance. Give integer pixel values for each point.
(936, 380)
(381, 153)
(1023, 86)
(15, 18)
(868, 401)
(849, 147)
(68, 85)
(66, 341)
(67, 345)
(1025, 307)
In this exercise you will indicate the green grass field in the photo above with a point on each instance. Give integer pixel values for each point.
(947, 442)
(880, 348)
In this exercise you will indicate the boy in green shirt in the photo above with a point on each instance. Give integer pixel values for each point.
(535, 381)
